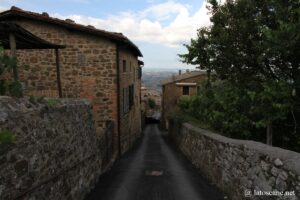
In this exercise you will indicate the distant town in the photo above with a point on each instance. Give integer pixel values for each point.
(152, 76)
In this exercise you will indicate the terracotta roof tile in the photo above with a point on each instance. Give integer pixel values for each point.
(15, 12)
(24, 39)
(182, 77)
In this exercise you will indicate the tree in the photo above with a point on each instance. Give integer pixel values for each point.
(255, 45)
(199, 52)
(281, 46)
(151, 103)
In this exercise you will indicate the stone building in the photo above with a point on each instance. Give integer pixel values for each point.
(174, 87)
(148, 93)
(97, 65)
(151, 95)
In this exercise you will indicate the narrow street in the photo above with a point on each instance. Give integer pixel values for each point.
(153, 170)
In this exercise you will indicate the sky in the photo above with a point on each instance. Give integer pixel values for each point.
(158, 27)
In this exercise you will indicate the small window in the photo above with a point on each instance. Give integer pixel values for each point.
(139, 73)
(124, 65)
(125, 101)
(128, 99)
(130, 67)
(131, 96)
(185, 90)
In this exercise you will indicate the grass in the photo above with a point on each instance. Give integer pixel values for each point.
(53, 102)
(50, 102)
(36, 100)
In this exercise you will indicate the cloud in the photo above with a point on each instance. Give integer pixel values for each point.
(78, 1)
(164, 10)
(169, 23)
(2, 9)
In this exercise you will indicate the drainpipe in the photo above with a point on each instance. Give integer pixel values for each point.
(118, 100)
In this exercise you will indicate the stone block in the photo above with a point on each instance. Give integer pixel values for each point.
(280, 185)
(283, 175)
(274, 171)
(265, 166)
(278, 162)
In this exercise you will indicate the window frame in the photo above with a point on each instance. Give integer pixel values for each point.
(186, 90)
(124, 65)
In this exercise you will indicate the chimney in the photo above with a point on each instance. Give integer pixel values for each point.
(45, 14)
(15, 8)
(179, 72)
(70, 21)
(90, 26)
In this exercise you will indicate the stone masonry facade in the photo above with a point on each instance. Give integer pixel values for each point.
(241, 169)
(55, 153)
(130, 119)
(88, 67)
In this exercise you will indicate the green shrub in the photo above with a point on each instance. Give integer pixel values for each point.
(36, 100)
(151, 103)
(53, 102)
(239, 112)
(12, 88)
(185, 102)
(15, 89)
(2, 87)
(6, 136)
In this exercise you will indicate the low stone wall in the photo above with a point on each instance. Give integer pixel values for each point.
(53, 153)
(240, 167)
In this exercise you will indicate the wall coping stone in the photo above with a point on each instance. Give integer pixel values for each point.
(24, 105)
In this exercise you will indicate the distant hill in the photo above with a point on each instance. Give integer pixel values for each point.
(151, 77)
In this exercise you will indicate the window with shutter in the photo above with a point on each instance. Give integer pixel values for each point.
(185, 90)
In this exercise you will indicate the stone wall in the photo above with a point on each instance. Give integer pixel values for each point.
(55, 152)
(238, 167)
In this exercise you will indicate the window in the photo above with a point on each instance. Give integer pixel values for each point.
(185, 90)
(128, 98)
(130, 67)
(139, 72)
(131, 96)
(124, 65)
(125, 101)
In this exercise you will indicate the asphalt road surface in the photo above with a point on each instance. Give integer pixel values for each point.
(153, 170)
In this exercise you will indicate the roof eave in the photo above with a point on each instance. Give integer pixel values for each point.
(24, 38)
(14, 13)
